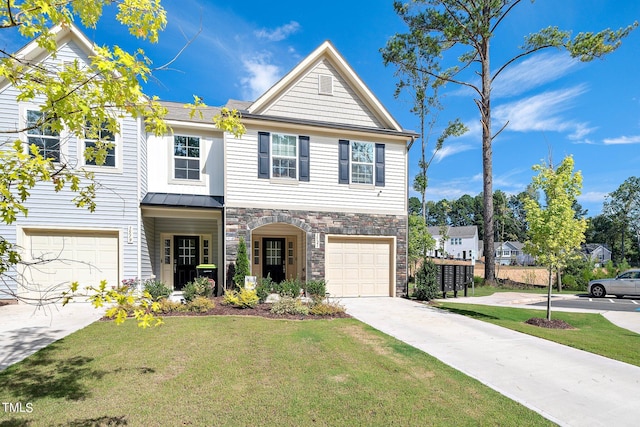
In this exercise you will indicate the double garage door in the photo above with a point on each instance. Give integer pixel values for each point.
(59, 258)
(358, 267)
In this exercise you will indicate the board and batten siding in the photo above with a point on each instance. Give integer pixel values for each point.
(159, 164)
(322, 192)
(303, 101)
(117, 189)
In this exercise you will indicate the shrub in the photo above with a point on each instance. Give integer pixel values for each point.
(288, 305)
(316, 288)
(201, 305)
(167, 306)
(242, 264)
(244, 298)
(326, 309)
(426, 285)
(264, 287)
(157, 289)
(199, 287)
(290, 288)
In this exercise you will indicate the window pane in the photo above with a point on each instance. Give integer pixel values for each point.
(362, 174)
(181, 174)
(180, 145)
(284, 158)
(362, 152)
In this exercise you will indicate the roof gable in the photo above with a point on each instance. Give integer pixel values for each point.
(302, 94)
(63, 35)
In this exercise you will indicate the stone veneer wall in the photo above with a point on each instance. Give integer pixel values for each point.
(239, 222)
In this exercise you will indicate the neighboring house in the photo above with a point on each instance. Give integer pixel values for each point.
(459, 242)
(317, 188)
(598, 253)
(511, 253)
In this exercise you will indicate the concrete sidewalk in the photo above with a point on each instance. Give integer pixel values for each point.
(25, 329)
(569, 387)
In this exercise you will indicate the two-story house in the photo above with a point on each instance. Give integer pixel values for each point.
(317, 188)
(457, 242)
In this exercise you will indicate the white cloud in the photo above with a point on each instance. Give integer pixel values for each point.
(450, 150)
(592, 197)
(622, 140)
(542, 112)
(261, 76)
(533, 72)
(278, 34)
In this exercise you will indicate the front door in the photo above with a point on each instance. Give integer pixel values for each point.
(186, 256)
(273, 259)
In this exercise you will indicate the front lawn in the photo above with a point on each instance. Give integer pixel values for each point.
(592, 333)
(230, 370)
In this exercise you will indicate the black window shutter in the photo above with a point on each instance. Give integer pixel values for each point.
(343, 172)
(380, 165)
(303, 159)
(263, 155)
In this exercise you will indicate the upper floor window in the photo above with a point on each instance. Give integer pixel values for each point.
(361, 163)
(186, 154)
(284, 157)
(106, 136)
(40, 134)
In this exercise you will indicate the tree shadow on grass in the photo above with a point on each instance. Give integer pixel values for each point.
(46, 374)
(468, 313)
(103, 421)
(16, 422)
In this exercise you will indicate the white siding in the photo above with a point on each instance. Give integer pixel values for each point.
(302, 101)
(160, 164)
(322, 192)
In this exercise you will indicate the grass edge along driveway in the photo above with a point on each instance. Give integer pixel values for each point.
(247, 371)
(592, 332)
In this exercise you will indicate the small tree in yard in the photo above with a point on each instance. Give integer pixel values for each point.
(242, 264)
(420, 241)
(554, 231)
(426, 286)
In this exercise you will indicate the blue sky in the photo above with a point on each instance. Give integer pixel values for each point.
(555, 106)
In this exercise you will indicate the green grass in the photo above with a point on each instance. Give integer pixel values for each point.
(246, 371)
(483, 291)
(592, 333)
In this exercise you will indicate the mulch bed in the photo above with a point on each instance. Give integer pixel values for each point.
(550, 324)
(261, 310)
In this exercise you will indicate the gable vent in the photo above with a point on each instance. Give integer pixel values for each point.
(325, 85)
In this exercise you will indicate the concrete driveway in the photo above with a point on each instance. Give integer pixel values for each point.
(25, 329)
(569, 387)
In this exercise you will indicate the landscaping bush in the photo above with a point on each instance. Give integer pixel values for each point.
(290, 288)
(201, 305)
(167, 306)
(157, 289)
(244, 298)
(326, 309)
(316, 288)
(426, 285)
(242, 264)
(264, 287)
(288, 305)
(199, 287)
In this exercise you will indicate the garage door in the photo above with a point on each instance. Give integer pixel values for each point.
(358, 267)
(61, 258)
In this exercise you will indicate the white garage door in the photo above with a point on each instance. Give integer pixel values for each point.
(358, 267)
(60, 258)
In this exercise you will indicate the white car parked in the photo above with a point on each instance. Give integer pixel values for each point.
(627, 283)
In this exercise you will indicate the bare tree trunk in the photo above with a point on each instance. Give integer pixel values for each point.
(484, 104)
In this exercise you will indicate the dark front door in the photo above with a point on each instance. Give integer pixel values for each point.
(273, 259)
(186, 256)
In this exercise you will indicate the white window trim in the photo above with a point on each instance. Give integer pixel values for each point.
(172, 165)
(117, 146)
(373, 166)
(284, 179)
(24, 137)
